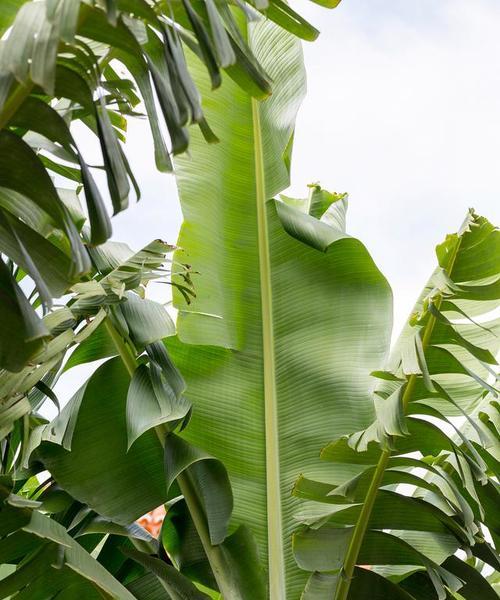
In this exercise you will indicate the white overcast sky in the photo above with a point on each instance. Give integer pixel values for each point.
(402, 112)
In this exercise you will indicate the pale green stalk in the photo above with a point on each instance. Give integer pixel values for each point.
(14, 102)
(274, 517)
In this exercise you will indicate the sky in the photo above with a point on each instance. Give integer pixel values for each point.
(402, 112)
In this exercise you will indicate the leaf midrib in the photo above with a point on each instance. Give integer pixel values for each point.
(274, 517)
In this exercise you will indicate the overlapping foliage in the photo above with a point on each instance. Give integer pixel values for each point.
(442, 369)
(270, 360)
(51, 537)
(113, 452)
(97, 62)
(114, 428)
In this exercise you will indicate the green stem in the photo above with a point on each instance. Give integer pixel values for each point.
(214, 553)
(351, 559)
(26, 437)
(274, 516)
(124, 350)
(5, 458)
(14, 101)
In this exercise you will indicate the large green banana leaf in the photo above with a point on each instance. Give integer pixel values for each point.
(291, 313)
(298, 364)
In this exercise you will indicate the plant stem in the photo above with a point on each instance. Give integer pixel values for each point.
(274, 516)
(351, 559)
(214, 553)
(14, 101)
(124, 350)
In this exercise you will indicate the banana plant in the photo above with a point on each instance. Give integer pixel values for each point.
(443, 368)
(243, 343)
(290, 317)
(53, 543)
(97, 62)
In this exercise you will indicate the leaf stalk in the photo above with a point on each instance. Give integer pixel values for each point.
(14, 101)
(214, 553)
(274, 516)
(124, 350)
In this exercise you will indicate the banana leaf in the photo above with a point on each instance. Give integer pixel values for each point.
(291, 313)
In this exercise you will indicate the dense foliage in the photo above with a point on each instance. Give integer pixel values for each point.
(281, 345)
(96, 62)
(439, 371)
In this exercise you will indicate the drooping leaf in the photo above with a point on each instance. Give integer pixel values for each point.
(99, 449)
(152, 401)
(39, 188)
(22, 329)
(147, 321)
